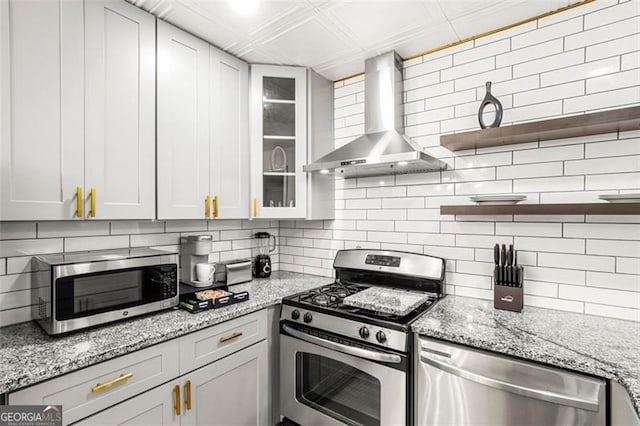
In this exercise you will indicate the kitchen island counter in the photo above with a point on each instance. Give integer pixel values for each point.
(603, 347)
(28, 355)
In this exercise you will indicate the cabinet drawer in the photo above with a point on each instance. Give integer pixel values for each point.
(205, 346)
(80, 394)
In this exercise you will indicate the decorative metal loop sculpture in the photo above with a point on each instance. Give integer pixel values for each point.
(489, 99)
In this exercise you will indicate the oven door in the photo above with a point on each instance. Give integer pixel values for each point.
(324, 382)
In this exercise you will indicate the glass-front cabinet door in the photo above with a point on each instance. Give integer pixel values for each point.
(278, 141)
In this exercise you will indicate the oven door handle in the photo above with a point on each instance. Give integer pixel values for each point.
(350, 350)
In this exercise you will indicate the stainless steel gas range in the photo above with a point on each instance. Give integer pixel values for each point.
(342, 364)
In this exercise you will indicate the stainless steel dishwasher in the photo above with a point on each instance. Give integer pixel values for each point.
(461, 386)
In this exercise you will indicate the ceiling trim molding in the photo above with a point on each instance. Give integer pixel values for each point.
(484, 34)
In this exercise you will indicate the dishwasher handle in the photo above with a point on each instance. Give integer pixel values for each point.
(540, 394)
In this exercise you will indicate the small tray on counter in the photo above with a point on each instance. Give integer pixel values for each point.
(196, 300)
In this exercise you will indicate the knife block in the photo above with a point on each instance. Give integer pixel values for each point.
(509, 296)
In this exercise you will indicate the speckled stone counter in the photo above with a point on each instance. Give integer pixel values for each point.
(600, 346)
(28, 355)
(387, 300)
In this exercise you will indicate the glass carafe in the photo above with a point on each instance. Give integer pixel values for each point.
(266, 243)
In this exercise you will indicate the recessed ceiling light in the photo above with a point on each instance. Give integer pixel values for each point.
(243, 7)
(324, 171)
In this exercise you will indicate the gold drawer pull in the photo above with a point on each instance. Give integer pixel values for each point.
(232, 336)
(187, 394)
(102, 386)
(176, 404)
(216, 206)
(207, 206)
(92, 212)
(79, 202)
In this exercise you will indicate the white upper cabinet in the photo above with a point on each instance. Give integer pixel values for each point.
(77, 110)
(278, 141)
(120, 109)
(229, 129)
(202, 129)
(183, 125)
(41, 109)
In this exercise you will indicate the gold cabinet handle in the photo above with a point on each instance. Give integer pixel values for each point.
(207, 206)
(176, 396)
(255, 207)
(92, 212)
(216, 206)
(102, 386)
(232, 336)
(79, 201)
(187, 394)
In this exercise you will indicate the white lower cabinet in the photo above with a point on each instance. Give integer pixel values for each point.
(155, 407)
(231, 391)
(215, 376)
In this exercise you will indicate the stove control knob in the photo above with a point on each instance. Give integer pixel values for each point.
(295, 314)
(307, 317)
(381, 337)
(364, 332)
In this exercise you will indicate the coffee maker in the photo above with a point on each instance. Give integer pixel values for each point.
(262, 263)
(194, 249)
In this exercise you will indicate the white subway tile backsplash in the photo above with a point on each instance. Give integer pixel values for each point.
(433, 90)
(429, 66)
(546, 94)
(470, 68)
(126, 227)
(531, 229)
(613, 281)
(539, 288)
(481, 52)
(612, 311)
(611, 15)
(528, 53)
(483, 160)
(467, 175)
(553, 303)
(614, 81)
(629, 146)
(613, 48)
(567, 276)
(454, 253)
(10, 248)
(626, 299)
(386, 214)
(605, 231)
(628, 265)
(613, 181)
(479, 80)
(602, 165)
(489, 187)
(577, 261)
(403, 203)
(17, 230)
(557, 245)
(541, 155)
(431, 190)
(482, 241)
(529, 170)
(486, 228)
(580, 72)
(72, 229)
(631, 60)
(569, 183)
(375, 225)
(597, 101)
(468, 280)
(605, 32)
(549, 32)
(614, 248)
(431, 239)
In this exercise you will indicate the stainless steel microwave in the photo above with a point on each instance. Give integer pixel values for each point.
(79, 290)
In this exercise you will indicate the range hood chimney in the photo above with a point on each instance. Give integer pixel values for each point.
(384, 149)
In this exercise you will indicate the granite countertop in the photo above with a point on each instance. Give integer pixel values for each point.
(28, 355)
(387, 300)
(603, 347)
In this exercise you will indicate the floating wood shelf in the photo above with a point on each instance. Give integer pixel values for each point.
(547, 209)
(559, 128)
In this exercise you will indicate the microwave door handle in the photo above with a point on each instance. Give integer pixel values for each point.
(350, 350)
(525, 391)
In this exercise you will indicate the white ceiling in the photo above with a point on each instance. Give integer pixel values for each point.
(335, 37)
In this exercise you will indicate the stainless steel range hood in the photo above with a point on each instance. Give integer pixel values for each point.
(384, 148)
